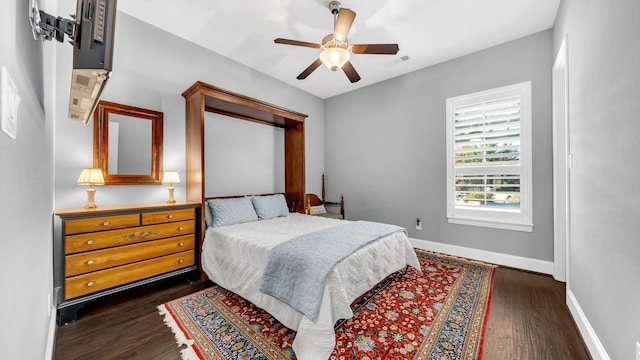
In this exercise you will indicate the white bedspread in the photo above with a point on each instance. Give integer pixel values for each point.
(235, 257)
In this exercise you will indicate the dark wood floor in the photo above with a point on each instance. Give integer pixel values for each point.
(528, 320)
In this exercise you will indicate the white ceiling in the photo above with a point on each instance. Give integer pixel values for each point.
(427, 31)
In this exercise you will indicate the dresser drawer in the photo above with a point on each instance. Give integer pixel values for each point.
(102, 259)
(104, 279)
(105, 239)
(160, 217)
(102, 223)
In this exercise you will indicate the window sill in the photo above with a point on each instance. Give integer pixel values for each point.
(515, 226)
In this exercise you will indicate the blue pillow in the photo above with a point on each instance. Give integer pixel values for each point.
(231, 211)
(270, 206)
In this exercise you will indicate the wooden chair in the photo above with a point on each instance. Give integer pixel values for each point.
(313, 200)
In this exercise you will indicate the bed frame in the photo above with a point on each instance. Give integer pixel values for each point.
(202, 97)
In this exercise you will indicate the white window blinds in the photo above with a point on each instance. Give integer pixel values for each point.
(488, 132)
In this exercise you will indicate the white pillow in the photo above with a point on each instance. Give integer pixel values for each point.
(317, 210)
(208, 218)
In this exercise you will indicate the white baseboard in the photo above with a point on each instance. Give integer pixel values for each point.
(519, 262)
(51, 337)
(53, 325)
(596, 350)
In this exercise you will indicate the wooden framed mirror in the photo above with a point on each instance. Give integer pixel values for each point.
(127, 144)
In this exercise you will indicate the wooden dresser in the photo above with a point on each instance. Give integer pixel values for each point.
(102, 251)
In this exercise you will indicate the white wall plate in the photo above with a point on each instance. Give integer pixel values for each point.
(9, 101)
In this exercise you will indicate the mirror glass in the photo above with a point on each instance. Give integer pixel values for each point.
(128, 144)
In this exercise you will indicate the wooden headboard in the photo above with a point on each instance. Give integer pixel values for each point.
(202, 97)
(289, 205)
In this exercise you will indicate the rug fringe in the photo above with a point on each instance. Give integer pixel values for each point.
(189, 354)
(181, 338)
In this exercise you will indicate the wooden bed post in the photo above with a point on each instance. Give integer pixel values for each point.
(294, 168)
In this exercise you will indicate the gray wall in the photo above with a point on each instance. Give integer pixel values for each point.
(147, 75)
(27, 195)
(237, 153)
(385, 146)
(604, 109)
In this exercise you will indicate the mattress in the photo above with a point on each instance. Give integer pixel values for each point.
(235, 257)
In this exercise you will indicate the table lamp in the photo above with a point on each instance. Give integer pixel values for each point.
(91, 177)
(171, 177)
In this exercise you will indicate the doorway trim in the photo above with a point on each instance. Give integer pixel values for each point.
(562, 164)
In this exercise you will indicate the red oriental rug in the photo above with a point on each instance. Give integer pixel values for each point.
(439, 314)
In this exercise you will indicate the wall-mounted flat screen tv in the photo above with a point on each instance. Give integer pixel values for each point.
(92, 55)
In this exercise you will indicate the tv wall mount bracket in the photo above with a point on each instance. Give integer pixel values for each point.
(47, 27)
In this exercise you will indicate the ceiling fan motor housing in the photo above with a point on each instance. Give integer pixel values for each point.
(330, 41)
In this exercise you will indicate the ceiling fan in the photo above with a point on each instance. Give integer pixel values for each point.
(336, 50)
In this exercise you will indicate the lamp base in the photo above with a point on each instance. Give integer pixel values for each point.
(91, 199)
(171, 199)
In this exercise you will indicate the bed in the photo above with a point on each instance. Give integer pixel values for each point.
(235, 255)
(236, 251)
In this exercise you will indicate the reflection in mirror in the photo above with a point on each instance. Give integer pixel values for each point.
(128, 144)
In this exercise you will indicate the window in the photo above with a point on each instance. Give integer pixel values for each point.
(489, 158)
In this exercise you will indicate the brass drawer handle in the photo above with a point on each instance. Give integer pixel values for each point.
(180, 261)
(180, 243)
(170, 216)
(89, 242)
(90, 283)
(106, 223)
(90, 262)
(180, 228)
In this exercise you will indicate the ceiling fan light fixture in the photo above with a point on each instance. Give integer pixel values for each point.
(335, 57)
(335, 49)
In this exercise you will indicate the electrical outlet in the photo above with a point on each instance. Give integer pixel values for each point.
(637, 350)
(418, 224)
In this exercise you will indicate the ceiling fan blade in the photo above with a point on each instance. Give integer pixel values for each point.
(296, 43)
(351, 72)
(343, 24)
(381, 49)
(303, 75)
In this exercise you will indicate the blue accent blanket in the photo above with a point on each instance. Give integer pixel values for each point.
(296, 269)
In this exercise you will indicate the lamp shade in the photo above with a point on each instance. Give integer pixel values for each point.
(334, 57)
(170, 177)
(91, 176)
